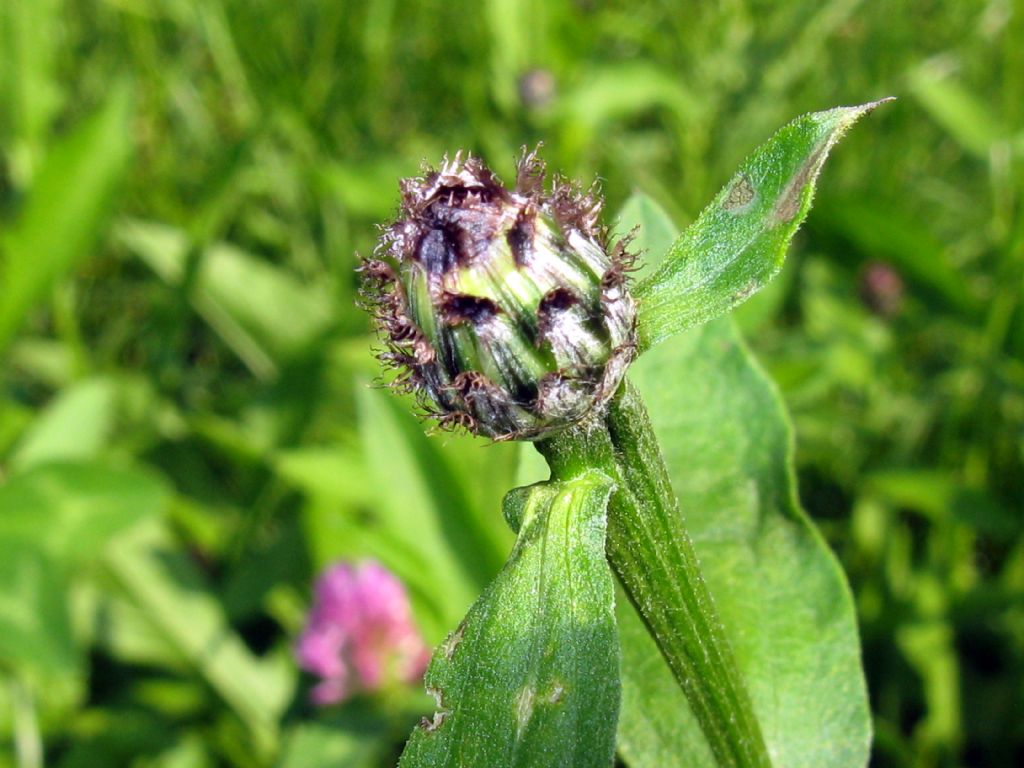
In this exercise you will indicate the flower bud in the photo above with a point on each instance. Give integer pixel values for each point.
(506, 311)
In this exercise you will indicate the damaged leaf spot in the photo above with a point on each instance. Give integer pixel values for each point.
(440, 714)
(789, 203)
(741, 195)
(528, 699)
(555, 694)
(435, 722)
(437, 695)
(524, 709)
(745, 292)
(452, 641)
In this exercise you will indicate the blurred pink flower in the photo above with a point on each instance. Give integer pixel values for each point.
(360, 635)
(882, 289)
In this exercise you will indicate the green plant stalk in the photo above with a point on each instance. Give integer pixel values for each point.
(650, 551)
(28, 742)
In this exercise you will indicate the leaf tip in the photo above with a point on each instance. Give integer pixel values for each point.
(871, 105)
(844, 117)
(793, 199)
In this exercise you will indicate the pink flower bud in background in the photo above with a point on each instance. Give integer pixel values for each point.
(537, 88)
(360, 634)
(881, 289)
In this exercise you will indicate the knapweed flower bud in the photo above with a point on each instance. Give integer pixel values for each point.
(360, 636)
(506, 311)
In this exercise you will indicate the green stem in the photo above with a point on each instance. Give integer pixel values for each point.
(28, 744)
(649, 549)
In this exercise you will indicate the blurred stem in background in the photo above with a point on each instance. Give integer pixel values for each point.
(27, 740)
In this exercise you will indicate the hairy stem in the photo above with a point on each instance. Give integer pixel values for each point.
(649, 549)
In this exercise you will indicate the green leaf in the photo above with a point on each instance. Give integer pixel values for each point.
(336, 473)
(265, 313)
(168, 590)
(190, 752)
(116, 735)
(35, 629)
(965, 115)
(74, 510)
(355, 742)
(364, 189)
(75, 425)
(624, 90)
(779, 591)
(53, 517)
(530, 676)
(123, 632)
(68, 202)
(247, 297)
(30, 93)
(939, 496)
(738, 243)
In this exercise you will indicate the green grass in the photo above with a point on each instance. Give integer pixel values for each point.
(183, 187)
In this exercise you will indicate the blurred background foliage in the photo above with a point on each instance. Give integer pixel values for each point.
(186, 434)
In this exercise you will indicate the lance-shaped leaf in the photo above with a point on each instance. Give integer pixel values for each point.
(738, 243)
(65, 210)
(530, 677)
